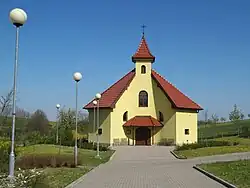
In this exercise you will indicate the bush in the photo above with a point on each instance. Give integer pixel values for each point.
(5, 147)
(166, 142)
(91, 146)
(202, 144)
(46, 160)
(245, 132)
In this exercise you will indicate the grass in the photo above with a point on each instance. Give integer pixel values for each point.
(244, 146)
(226, 129)
(87, 156)
(61, 177)
(236, 172)
(208, 151)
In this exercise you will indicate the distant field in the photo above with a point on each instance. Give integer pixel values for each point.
(222, 129)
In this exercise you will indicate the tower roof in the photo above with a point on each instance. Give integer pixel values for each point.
(143, 52)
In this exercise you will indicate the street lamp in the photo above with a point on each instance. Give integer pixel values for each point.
(18, 17)
(98, 97)
(94, 124)
(77, 77)
(57, 115)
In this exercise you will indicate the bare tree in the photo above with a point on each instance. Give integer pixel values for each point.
(5, 104)
(215, 118)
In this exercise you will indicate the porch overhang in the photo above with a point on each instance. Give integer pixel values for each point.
(143, 121)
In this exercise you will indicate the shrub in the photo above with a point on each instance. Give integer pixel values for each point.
(202, 144)
(91, 146)
(166, 142)
(245, 132)
(46, 160)
(23, 179)
(5, 147)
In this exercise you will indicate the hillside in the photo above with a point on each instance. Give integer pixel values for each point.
(222, 129)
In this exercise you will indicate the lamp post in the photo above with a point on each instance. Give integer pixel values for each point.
(18, 17)
(94, 124)
(77, 77)
(57, 115)
(98, 97)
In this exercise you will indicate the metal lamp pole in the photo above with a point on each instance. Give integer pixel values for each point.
(18, 17)
(57, 107)
(94, 124)
(77, 77)
(98, 97)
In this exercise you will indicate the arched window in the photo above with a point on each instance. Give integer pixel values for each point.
(143, 99)
(161, 117)
(143, 69)
(125, 116)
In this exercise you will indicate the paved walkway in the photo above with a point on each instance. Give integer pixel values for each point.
(151, 167)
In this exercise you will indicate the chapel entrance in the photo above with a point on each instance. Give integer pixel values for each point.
(142, 136)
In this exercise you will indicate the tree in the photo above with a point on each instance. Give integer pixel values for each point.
(222, 119)
(242, 116)
(236, 114)
(215, 118)
(248, 115)
(38, 122)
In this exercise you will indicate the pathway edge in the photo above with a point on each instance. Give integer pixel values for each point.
(219, 180)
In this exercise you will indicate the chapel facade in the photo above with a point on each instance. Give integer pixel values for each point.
(143, 108)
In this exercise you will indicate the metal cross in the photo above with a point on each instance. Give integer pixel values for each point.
(143, 28)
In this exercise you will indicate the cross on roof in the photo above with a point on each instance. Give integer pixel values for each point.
(143, 28)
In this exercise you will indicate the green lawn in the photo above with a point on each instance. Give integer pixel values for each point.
(244, 146)
(60, 177)
(87, 156)
(236, 172)
(228, 128)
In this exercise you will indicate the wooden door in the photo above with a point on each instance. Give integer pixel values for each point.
(142, 136)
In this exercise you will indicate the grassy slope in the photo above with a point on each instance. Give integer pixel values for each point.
(236, 172)
(244, 146)
(212, 130)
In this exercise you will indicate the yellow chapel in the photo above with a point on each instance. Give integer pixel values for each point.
(143, 108)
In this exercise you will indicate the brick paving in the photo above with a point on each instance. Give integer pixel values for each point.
(146, 167)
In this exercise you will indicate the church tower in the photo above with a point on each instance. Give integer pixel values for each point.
(143, 58)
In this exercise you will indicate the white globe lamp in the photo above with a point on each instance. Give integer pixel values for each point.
(18, 17)
(94, 102)
(77, 76)
(58, 106)
(98, 96)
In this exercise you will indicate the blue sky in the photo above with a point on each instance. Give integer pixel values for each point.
(202, 47)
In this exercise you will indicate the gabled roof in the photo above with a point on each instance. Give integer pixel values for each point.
(143, 121)
(114, 92)
(143, 52)
(177, 98)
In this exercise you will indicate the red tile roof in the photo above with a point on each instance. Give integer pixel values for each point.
(143, 121)
(177, 98)
(113, 93)
(143, 52)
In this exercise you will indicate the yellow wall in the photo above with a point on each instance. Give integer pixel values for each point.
(156, 100)
(105, 122)
(186, 120)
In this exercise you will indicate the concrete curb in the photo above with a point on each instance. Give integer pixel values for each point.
(112, 156)
(176, 156)
(221, 181)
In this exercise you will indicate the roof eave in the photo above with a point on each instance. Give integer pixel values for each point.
(151, 59)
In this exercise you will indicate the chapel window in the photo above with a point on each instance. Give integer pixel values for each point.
(125, 116)
(143, 69)
(143, 99)
(161, 118)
